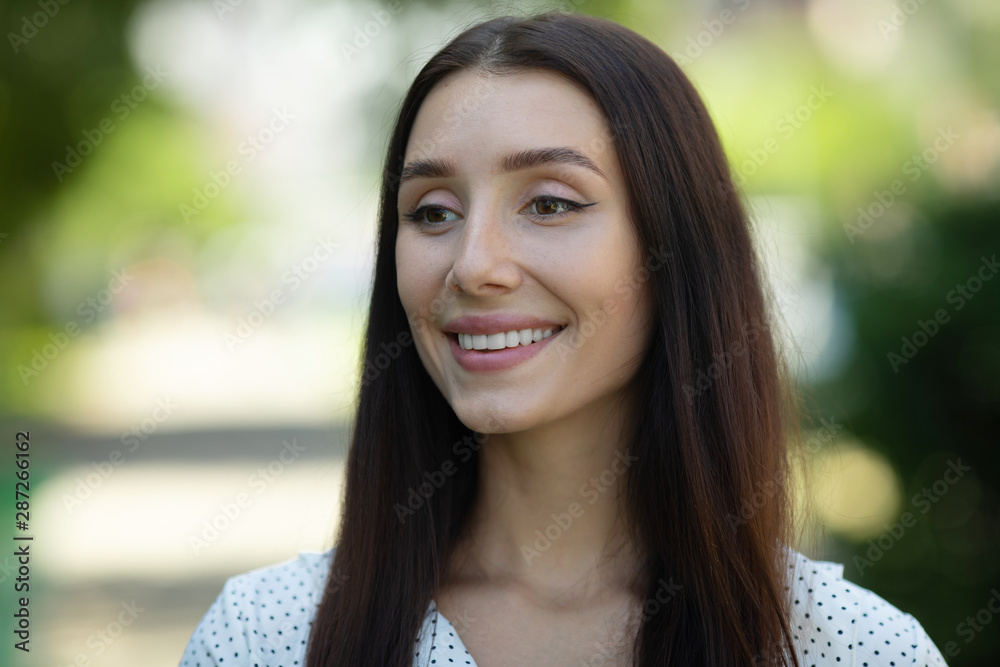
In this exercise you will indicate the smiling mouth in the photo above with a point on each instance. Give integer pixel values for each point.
(503, 340)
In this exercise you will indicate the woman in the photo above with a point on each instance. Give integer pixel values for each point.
(570, 445)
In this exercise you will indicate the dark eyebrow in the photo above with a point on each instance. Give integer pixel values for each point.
(526, 159)
(536, 157)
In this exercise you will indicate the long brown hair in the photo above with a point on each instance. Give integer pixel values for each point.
(708, 498)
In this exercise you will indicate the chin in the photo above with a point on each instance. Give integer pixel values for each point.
(487, 417)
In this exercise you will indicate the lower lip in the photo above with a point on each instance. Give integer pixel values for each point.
(480, 361)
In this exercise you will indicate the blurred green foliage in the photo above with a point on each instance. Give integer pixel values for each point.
(936, 403)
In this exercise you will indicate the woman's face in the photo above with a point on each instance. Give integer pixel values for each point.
(514, 222)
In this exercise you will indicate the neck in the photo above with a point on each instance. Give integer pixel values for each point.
(550, 511)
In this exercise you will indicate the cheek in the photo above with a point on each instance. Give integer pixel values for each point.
(412, 278)
(601, 281)
(417, 291)
(627, 287)
(612, 305)
(419, 283)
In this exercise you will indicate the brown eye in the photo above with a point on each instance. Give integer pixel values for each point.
(436, 215)
(548, 206)
(551, 207)
(430, 215)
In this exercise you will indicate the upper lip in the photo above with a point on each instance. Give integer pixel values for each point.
(493, 324)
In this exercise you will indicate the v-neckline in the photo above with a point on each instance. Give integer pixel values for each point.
(455, 650)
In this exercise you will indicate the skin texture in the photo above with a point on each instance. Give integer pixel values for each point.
(559, 421)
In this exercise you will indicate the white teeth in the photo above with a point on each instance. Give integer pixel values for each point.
(496, 341)
(500, 341)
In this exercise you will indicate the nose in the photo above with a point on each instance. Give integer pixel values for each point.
(484, 263)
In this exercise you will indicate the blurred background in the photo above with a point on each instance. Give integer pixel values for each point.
(188, 194)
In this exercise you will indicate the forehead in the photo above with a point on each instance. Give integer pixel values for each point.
(471, 113)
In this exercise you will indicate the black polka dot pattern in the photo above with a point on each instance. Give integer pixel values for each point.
(262, 619)
(835, 622)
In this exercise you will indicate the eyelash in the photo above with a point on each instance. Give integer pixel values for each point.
(414, 214)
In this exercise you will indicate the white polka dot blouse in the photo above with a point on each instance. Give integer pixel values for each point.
(262, 619)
